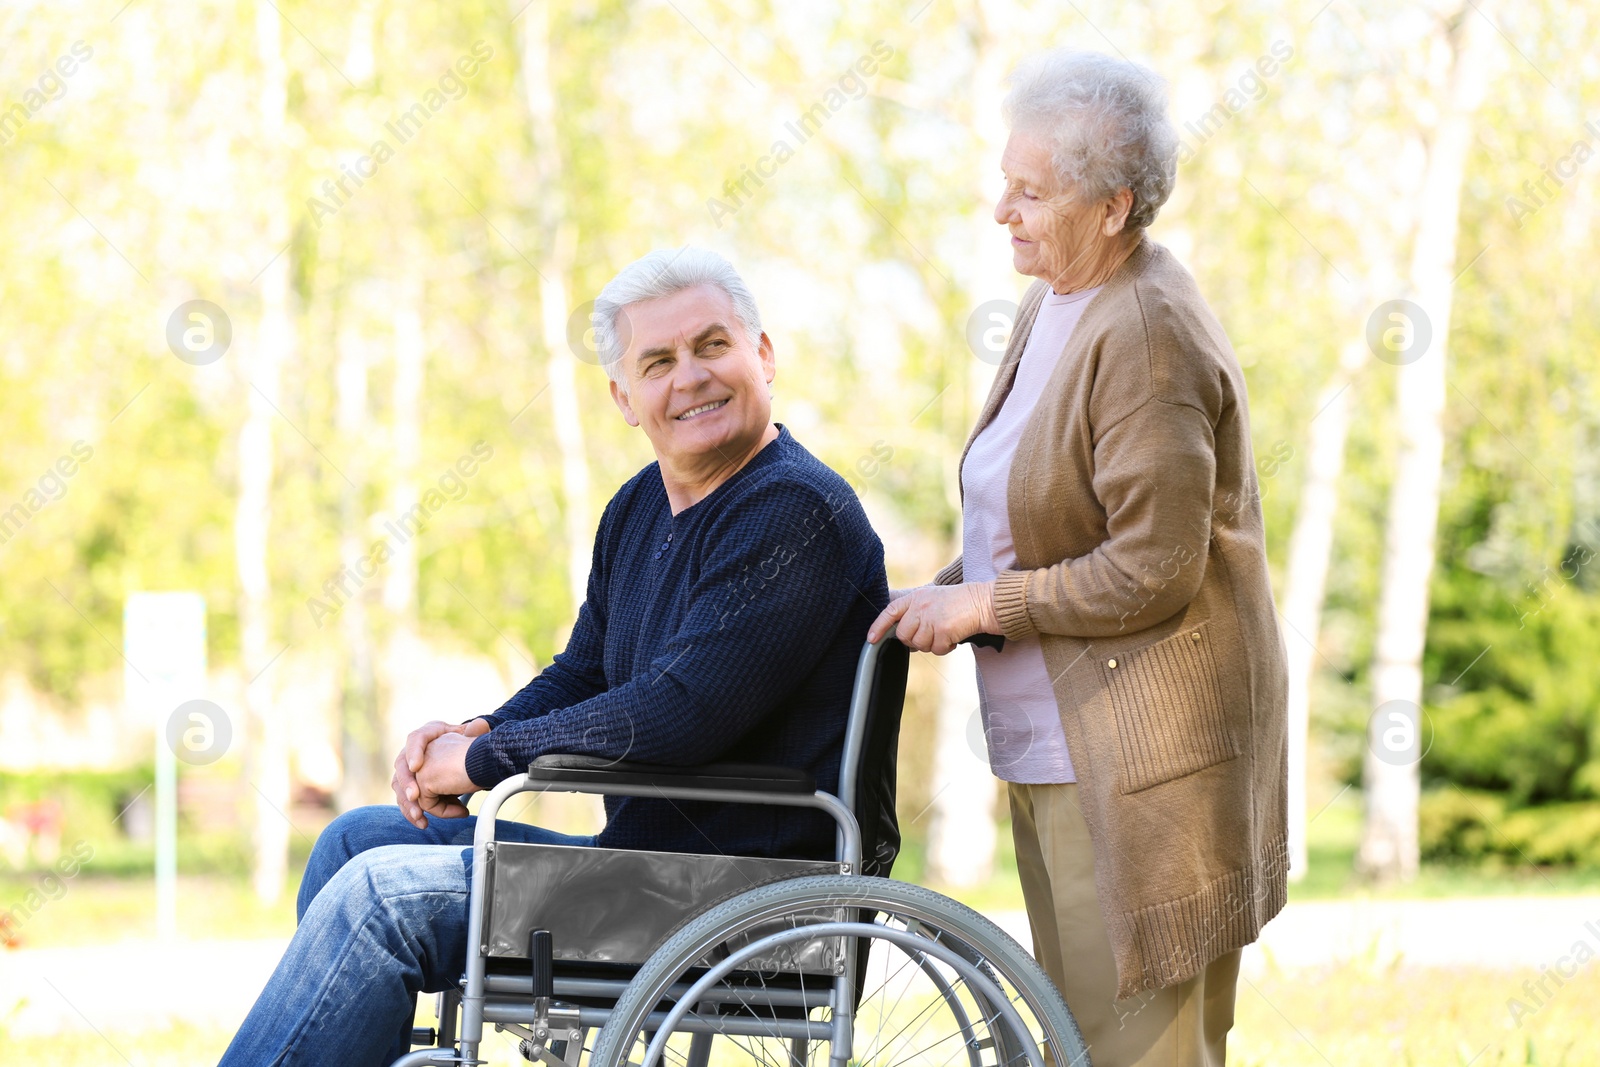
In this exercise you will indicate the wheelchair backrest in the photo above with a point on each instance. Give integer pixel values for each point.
(872, 741)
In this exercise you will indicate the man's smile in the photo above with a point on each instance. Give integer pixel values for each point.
(701, 410)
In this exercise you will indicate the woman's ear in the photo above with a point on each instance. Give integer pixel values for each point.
(1117, 207)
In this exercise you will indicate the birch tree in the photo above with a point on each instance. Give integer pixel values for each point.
(359, 736)
(961, 830)
(410, 349)
(263, 363)
(1389, 846)
(1306, 576)
(558, 240)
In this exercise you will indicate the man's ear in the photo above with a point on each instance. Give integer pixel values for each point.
(1116, 211)
(769, 359)
(620, 398)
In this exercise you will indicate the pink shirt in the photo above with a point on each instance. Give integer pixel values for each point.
(1021, 720)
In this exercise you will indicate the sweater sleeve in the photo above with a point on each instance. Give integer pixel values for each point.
(1155, 472)
(951, 575)
(767, 602)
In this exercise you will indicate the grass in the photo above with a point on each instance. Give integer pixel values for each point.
(1334, 834)
(1344, 1015)
(108, 901)
(180, 1046)
(1332, 840)
(95, 907)
(94, 910)
(1410, 1016)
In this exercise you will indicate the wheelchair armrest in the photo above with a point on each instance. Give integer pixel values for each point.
(567, 769)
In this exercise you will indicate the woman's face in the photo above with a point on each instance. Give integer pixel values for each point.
(1056, 235)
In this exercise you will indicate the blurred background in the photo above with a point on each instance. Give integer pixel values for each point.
(294, 324)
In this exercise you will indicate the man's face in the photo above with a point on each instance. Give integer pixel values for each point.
(695, 383)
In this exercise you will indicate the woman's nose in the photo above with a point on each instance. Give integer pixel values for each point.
(1005, 212)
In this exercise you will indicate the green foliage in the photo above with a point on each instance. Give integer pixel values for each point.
(149, 181)
(1518, 711)
(110, 812)
(1482, 828)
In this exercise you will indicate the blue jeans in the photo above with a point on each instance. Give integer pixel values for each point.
(383, 916)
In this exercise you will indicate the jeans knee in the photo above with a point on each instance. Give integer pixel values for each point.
(367, 826)
(413, 887)
(346, 837)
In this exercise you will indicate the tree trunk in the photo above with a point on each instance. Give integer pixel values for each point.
(263, 365)
(961, 831)
(961, 828)
(400, 576)
(1306, 575)
(557, 249)
(359, 736)
(1397, 731)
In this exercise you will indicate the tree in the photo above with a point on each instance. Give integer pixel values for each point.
(961, 831)
(1395, 738)
(1306, 575)
(359, 733)
(558, 239)
(263, 362)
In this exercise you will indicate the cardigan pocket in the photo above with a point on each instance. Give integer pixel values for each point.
(1167, 702)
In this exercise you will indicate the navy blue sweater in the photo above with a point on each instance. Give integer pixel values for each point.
(728, 632)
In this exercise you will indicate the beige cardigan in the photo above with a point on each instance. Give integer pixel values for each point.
(1142, 567)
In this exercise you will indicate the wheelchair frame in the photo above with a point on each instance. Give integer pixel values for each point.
(555, 1033)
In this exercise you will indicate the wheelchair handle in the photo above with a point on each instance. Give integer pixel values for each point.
(994, 641)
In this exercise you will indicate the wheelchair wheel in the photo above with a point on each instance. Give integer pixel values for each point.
(760, 980)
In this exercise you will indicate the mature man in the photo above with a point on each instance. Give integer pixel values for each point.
(731, 587)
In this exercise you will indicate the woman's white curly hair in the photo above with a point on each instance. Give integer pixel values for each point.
(1106, 122)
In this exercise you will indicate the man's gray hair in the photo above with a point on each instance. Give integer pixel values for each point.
(1106, 122)
(662, 273)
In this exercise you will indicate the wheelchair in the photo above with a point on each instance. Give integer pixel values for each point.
(628, 958)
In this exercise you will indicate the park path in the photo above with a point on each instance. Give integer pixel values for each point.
(140, 985)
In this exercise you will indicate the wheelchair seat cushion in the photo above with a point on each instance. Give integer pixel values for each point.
(753, 777)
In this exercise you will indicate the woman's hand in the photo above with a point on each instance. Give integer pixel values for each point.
(937, 618)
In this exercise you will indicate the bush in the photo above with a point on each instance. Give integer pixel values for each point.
(1458, 826)
(95, 809)
(1518, 708)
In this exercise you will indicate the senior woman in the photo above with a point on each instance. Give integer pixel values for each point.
(1112, 533)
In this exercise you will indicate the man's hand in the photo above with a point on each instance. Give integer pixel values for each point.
(936, 618)
(411, 794)
(442, 778)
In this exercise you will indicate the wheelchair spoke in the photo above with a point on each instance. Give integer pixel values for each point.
(759, 1056)
(937, 986)
(889, 1011)
(906, 961)
(924, 1011)
(952, 1054)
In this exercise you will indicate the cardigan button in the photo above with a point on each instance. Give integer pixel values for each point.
(1111, 663)
(1195, 635)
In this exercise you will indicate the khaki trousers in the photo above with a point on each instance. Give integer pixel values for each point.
(1185, 1025)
